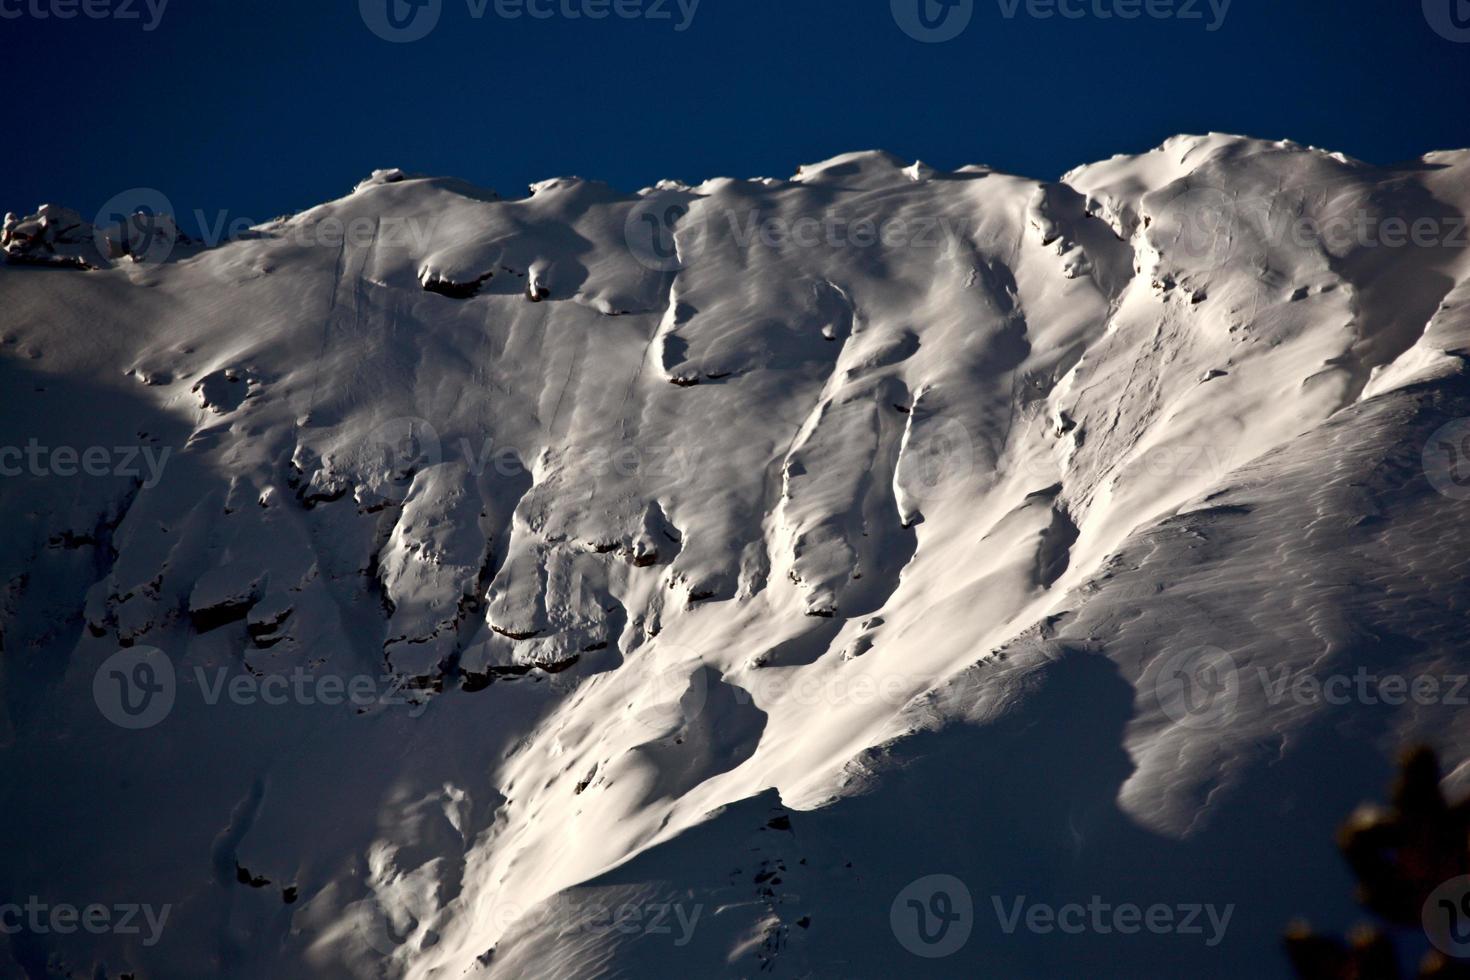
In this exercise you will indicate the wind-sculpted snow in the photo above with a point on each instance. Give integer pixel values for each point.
(434, 584)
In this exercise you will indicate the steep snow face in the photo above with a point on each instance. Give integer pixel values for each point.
(398, 588)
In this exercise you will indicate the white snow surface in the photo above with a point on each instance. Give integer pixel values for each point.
(853, 562)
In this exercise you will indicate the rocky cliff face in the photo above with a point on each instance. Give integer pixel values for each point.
(397, 587)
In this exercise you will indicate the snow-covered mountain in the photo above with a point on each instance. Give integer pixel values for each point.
(436, 585)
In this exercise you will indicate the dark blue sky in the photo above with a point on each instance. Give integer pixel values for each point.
(259, 107)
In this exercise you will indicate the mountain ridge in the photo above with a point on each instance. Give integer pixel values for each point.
(669, 516)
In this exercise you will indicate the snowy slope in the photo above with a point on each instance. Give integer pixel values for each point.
(748, 551)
